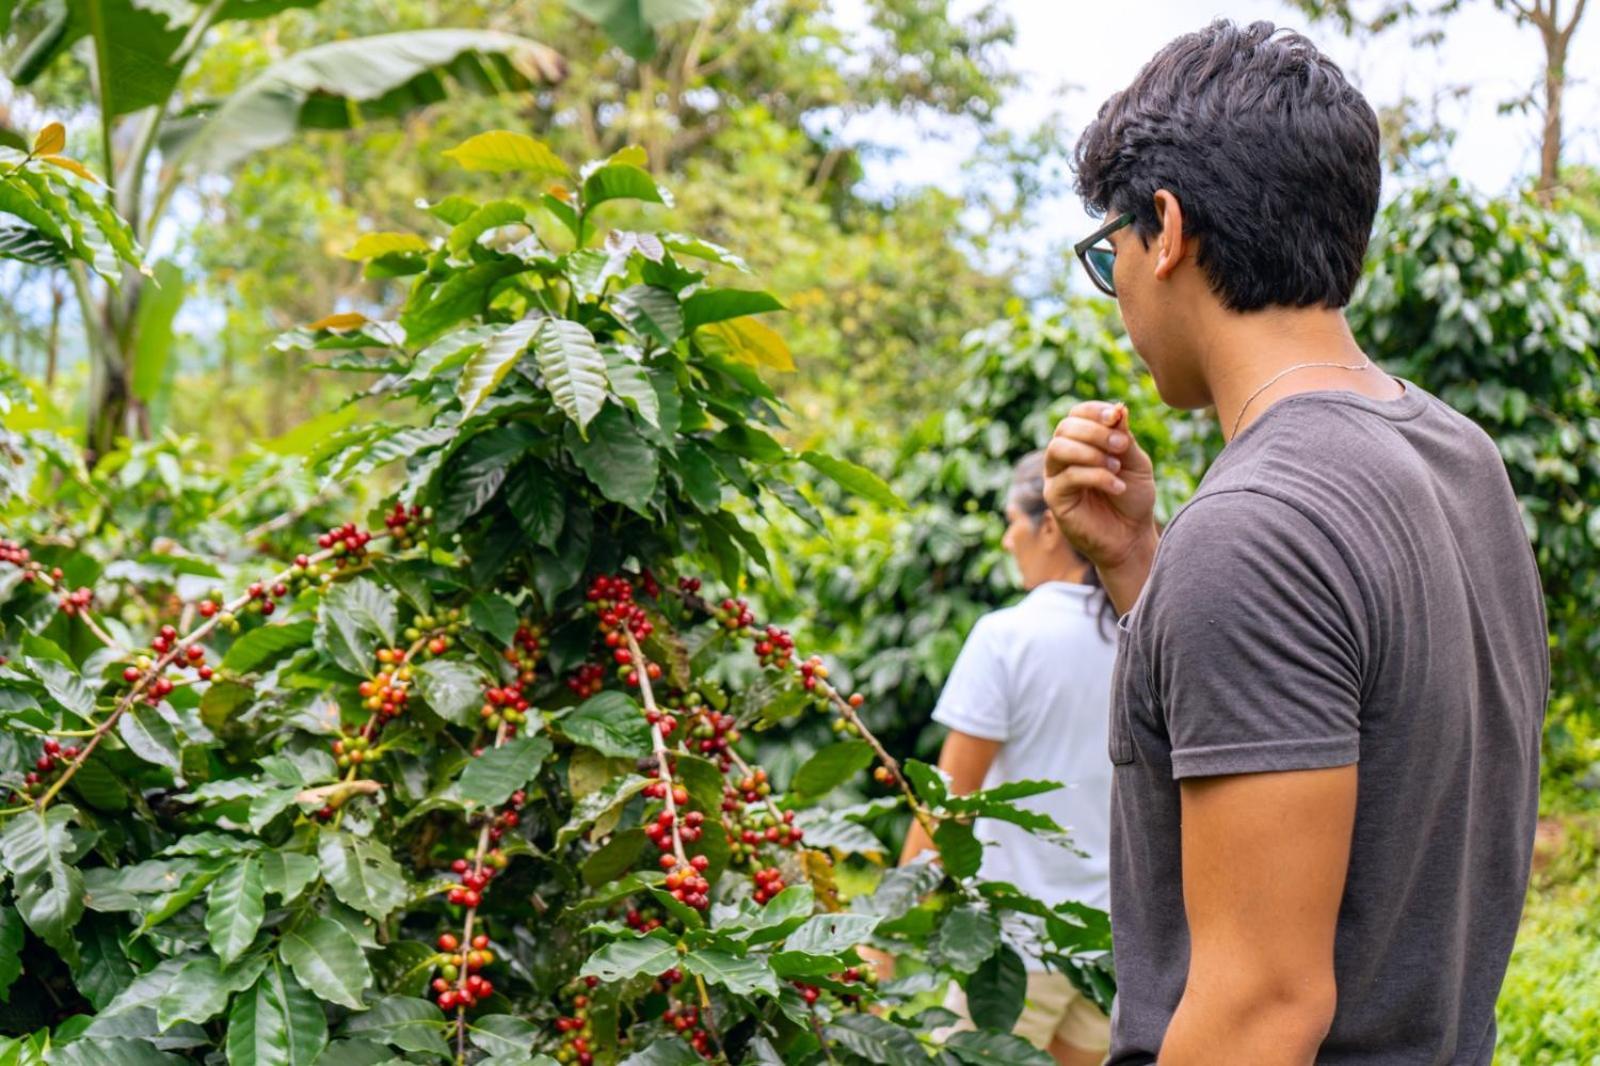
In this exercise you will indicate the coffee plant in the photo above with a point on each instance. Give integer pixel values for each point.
(468, 778)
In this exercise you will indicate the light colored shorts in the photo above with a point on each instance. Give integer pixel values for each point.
(1053, 1010)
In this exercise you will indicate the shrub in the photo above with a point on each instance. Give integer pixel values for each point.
(462, 782)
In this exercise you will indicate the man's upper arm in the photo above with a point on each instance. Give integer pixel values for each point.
(1264, 864)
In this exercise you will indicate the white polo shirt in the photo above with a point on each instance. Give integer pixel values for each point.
(1037, 678)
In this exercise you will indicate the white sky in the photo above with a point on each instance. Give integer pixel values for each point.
(1098, 46)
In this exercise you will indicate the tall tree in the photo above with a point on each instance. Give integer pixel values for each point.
(155, 135)
(1555, 21)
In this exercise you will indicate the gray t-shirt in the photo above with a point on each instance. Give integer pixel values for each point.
(1351, 584)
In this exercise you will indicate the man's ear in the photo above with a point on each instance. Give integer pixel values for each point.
(1170, 244)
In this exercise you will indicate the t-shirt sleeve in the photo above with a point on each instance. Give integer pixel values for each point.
(1256, 632)
(976, 698)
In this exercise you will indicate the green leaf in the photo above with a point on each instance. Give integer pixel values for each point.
(900, 889)
(495, 615)
(489, 365)
(671, 1051)
(831, 767)
(777, 918)
(968, 935)
(375, 245)
(454, 689)
(327, 960)
(148, 736)
(717, 305)
(622, 959)
(611, 724)
(995, 991)
(619, 181)
(503, 1034)
(598, 805)
(492, 777)
(50, 899)
(650, 312)
(502, 151)
(201, 989)
(857, 480)
(349, 82)
(286, 874)
(261, 647)
(620, 462)
(11, 937)
(403, 1022)
(632, 23)
(64, 686)
(573, 367)
(989, 1048)
(875, 1039)
(927, 781)
(355, 616)
(742, 976)
(235, 909)
(31, 838)
(159, 302)
(631, 383)
(275, 1023)
(959, 848)
(615, 859)
(490, 216)
(119, 1052)
(362, 873)
(830, 934)
(536, 501)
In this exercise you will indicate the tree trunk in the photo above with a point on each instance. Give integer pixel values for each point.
(1555, 52)
(52, 347)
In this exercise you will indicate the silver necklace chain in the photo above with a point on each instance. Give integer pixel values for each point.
(1274, 379)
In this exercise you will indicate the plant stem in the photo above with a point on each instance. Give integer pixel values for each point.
(641, 666)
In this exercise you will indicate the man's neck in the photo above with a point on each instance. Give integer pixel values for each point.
(1241, 353)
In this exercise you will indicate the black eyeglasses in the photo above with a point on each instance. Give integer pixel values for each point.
(1098, 255)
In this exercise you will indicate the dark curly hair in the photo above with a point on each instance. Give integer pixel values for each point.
(1272, 154)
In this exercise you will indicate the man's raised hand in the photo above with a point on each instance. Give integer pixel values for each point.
(1101, 489)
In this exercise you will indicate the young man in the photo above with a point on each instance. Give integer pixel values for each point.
(1332, 676)
(1026, 701)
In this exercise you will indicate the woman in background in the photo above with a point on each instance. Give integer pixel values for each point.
(1028, 700)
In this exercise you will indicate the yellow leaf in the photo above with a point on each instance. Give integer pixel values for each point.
(51, 139)
(752, 342)
(342, 321)
(372, 245)
(499, 151)
(633, 156)
(72, 166)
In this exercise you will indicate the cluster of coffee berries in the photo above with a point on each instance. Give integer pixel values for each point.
(810, 993)
(688, 585)
(405, 526)
(712, 733)
(577, 1035)
(629, 671)
(685, 1020)
(612, 598)
(349, 543)
(658, 789)
(450, 988)
(812, 671)
(474, 877)
(504, 704)
(686, 883)
(587, 680)
(440, 626)
(690, 827)
(506, 817)
(774, 647)
(354, 749)
(47, 765)
(883, 776)
(855, 975)
(768, 883)
(75, 601)
(752, 827)
(526, 648)
(386, 693)
(734, 615)
(264, 597)
(643, 921)
(14, 553)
